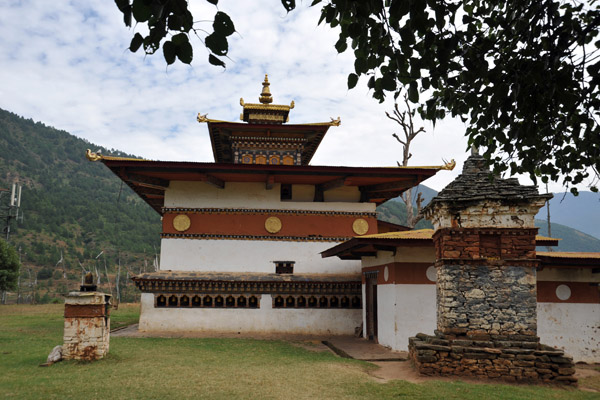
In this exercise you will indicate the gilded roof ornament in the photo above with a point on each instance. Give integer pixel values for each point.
(265, 96)
(202, 117)
(336, 122)
(93, 156)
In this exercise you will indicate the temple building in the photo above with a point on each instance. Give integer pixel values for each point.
(242, 236)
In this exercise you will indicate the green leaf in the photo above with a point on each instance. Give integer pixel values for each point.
(215, 61)
(213, 2)
(315, 2)
(289, 5)
(413, 92)
(352, 81)
(217, 44)
(141, 11)
(136, 42)
(341, 45)
(185, 53)
(180, 39)
(223, 24)
(360, 65)
(169, 52)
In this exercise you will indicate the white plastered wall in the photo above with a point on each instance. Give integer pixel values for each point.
(574, 327)
(256, 196)
(403, 311)
(261, 320)
(250, 256)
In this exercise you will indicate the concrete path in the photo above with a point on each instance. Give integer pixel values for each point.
(362, 349)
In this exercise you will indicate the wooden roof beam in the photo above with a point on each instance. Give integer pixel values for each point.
(390, 186)
(148, 181)
(212, 180)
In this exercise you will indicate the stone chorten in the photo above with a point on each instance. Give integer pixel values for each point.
(486, 283)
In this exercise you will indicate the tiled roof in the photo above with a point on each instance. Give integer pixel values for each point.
(476, 183)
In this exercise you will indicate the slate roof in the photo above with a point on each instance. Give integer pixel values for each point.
(476, 183)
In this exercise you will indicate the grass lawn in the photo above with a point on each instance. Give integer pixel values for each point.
(153, 368)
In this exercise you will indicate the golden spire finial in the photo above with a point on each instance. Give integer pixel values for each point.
(265, 96)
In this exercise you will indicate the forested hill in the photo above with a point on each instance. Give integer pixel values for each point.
(70, 204)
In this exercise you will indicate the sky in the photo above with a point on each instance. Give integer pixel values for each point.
(66, 64)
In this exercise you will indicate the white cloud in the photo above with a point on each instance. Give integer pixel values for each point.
(67, 65)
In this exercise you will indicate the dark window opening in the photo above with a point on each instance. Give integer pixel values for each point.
(161, 301)
(284, 267)
(219, 301)
(230, 301)
(312, 302)
(345, 302)
(278, 302)
(290, 302)
(184, 301)
(286, 191)
(241, 301)
(173, 301)
(333, 302)
(323, 302)
(356, 303)
(196, 301)
(207, 301)
(253, 302)
(301, 302)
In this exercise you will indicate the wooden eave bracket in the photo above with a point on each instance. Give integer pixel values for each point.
(213, 180)
(321, 188)
(269, 182)
(148, 181)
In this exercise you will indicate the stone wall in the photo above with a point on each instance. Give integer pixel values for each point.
(509, 358)
(486, 299)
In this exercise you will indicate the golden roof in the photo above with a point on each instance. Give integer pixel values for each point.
(426, 234)
(416, 234)
(568, 254)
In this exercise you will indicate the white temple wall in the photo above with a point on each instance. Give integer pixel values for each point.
(250, 256)
(403, 311)
(574, 327)
(261, 320)
(256, 196)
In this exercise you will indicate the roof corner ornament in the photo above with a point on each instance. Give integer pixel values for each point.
(242, 101)
(335, 122)
(448, 166)
(202, 117)
(292, 104)
(265, 96)
(93, 156)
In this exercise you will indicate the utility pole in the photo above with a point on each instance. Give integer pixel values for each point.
(11, 210)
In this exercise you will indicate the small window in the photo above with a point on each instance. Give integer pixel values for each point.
(173, 301)
(241, 301)
(253, 302)
(284, 267)
(161, 301)
(286, 191)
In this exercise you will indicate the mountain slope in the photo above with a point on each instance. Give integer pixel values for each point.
(71, 205)
(580, 212)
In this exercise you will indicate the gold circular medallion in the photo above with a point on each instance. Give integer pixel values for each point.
(360, 226)
(273, 225)
(181, 222)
